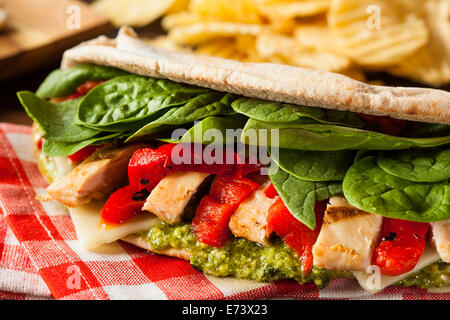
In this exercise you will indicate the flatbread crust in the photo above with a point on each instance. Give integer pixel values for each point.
(138, 241)
(263, 80)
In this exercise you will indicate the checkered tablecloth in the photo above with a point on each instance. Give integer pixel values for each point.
(40, 257)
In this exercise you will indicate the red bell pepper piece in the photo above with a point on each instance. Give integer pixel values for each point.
(401, 246)
(84, 153)
(386, 124)
(232, 190)
(123, 204)
(40, 143)
(271, 192)
(210, 223)
(146, 169)
(294, 233)
(88, 86)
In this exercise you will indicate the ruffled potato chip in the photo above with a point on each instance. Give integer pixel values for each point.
(197, 33)
(220, 47)
(288, 9)
(244, 11)
(132, 12)
(315, 36)
(180, 19)
(431, 64)
(178, 6)
(276, 48)
(376, 33)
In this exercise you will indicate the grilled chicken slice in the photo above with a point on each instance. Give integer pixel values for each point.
(177, 195)
(95, 178)
(250, 218)
(347, 238)
(441, 238)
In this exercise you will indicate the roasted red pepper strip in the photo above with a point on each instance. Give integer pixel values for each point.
(232, 190)
(40, 143)
(401, 246)
(210, 223)
(146, 169)
(270, 191)
(386, 124)
(294, 233)
(194, 159)
(84, 153)
(123, 205)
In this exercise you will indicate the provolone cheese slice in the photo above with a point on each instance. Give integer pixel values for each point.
(63, 166)
(92, 232)
(370, 283)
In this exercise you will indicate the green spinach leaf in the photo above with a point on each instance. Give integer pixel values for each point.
(203, 106)
(62, 149)
(131, 98)
(430, 165)
(57, 121)
(63, 82)
(370, 188)
(300, 196)
(323, 137)
(270, 111)
(218, 130)
(315, 165)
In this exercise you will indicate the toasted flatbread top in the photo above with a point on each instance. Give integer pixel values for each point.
(263, 80)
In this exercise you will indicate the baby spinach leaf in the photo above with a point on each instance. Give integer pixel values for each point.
(324, 137)
(130, 98)
(370, 188)
(57, 121)
(63, 82)
(315, 165)
(426, 130)
(202, 106)
(300, 196)
(270, 111)
(218, 130)
(62, 149)
(430, 165)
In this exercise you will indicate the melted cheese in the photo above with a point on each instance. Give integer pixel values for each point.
(92, 232)
(370, 283)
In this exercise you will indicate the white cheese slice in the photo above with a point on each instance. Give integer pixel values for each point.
(92, 232)
(63, 166)
(374, 283)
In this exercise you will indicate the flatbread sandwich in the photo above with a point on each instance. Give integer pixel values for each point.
(248, 170)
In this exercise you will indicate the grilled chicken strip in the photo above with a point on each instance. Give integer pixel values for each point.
(177, 195)
(347, 238)
(441, 238)
(250, 218)
(95, 178)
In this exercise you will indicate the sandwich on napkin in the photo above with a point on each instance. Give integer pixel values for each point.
(248, 170)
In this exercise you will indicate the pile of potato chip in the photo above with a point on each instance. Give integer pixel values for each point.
(408, 38)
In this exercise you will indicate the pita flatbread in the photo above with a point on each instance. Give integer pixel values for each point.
(263, 80)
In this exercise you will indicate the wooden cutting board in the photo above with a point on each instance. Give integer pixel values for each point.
(38, 31)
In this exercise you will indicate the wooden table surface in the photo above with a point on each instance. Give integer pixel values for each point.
(10, 108)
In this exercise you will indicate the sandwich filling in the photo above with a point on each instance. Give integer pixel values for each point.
(325, 194)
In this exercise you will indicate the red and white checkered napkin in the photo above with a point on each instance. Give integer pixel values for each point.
(41, 258)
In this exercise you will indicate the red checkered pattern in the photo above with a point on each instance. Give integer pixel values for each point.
(40, 256)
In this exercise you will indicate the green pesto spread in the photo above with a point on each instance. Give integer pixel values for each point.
(241, 258)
